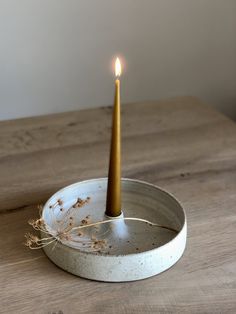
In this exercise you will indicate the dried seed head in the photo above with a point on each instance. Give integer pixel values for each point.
(31, 239)
(99, 244)
(40, 221)
(80, 202)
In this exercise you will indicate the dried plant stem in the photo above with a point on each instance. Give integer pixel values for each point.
(124, 218)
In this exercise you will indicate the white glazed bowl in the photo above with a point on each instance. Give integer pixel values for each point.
(136, 250)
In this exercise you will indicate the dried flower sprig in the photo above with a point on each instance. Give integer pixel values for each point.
(34, 242)
(65, 230)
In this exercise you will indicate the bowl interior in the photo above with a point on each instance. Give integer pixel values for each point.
(139, 200)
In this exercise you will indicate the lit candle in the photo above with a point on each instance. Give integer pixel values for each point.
(113, 205)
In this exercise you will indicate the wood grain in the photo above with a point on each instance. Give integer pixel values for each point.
(179, 144)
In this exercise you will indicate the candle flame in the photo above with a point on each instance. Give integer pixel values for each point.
(118, 67)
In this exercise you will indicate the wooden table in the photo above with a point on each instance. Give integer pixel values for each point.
(179, 144)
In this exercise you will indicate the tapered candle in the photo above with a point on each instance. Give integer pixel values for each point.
(113, 205)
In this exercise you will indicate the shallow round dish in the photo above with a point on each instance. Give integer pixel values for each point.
(134, 250)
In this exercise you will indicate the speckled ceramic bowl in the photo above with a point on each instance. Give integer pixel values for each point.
(134, 250)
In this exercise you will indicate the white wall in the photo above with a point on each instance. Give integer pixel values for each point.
(55, 55)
